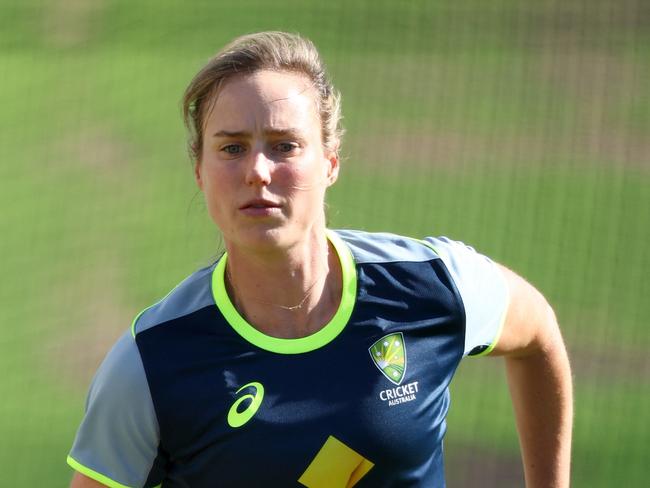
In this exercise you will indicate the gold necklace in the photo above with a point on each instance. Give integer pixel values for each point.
(263, 302)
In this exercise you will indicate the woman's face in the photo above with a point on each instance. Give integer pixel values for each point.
(263, 168)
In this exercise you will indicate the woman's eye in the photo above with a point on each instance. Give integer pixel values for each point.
(286, 147)
(233, 149)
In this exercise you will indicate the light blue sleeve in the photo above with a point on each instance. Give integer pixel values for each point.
(483, 289)
(118, 439)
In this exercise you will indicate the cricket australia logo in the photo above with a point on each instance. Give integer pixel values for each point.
(389, 355)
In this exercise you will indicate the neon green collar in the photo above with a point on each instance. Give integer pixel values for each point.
(302, 344)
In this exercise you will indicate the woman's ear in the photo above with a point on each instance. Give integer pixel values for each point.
(197, 174)
(333, 168)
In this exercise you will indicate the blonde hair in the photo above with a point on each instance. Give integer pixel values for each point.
(276, 51)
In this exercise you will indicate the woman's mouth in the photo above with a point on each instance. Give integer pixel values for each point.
(260, 208)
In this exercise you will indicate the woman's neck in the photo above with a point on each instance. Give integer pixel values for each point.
(289, 294)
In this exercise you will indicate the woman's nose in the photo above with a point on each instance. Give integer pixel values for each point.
(259, 169)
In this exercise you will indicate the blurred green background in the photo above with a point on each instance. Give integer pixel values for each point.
(521, 128)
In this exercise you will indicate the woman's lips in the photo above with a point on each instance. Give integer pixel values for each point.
(259, 208)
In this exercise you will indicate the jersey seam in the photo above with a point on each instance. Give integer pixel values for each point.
(428, 260)
(180, 317)
(150, 395)
(137, 317)
(499, 331)
(459, 300)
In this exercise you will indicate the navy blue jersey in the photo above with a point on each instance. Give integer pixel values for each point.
(194, 396)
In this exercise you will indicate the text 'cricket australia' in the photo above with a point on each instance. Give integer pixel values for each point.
(399, 394)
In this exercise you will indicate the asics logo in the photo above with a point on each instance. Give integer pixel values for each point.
(237, 418)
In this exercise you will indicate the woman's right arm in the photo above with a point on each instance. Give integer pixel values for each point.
(82, 481)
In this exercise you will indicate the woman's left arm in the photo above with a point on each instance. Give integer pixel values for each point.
(539, 377)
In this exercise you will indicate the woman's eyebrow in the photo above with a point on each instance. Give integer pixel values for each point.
(291, 131)
(226, 133)
(295, 132)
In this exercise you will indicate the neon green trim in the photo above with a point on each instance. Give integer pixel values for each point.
(500, 329)
(150, 306)
(302, 344)
(428, 244)
(94, 474)
(136, 319)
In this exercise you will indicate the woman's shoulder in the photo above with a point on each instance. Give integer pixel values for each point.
(190, 295)
(378, 247)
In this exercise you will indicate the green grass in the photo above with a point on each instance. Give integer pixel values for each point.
(520, 131)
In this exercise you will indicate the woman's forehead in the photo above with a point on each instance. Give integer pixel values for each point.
(269, 85)
(275, 99)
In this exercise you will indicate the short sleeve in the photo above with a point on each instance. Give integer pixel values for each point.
(483, 290)
(117, 442)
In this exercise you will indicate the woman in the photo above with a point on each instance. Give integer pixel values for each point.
(305, 356)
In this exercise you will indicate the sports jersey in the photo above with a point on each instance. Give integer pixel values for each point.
(194, 396)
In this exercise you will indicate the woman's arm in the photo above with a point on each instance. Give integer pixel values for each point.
(82, 481)
(540, 383)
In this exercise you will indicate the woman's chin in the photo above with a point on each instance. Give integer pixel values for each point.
(263, 238)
